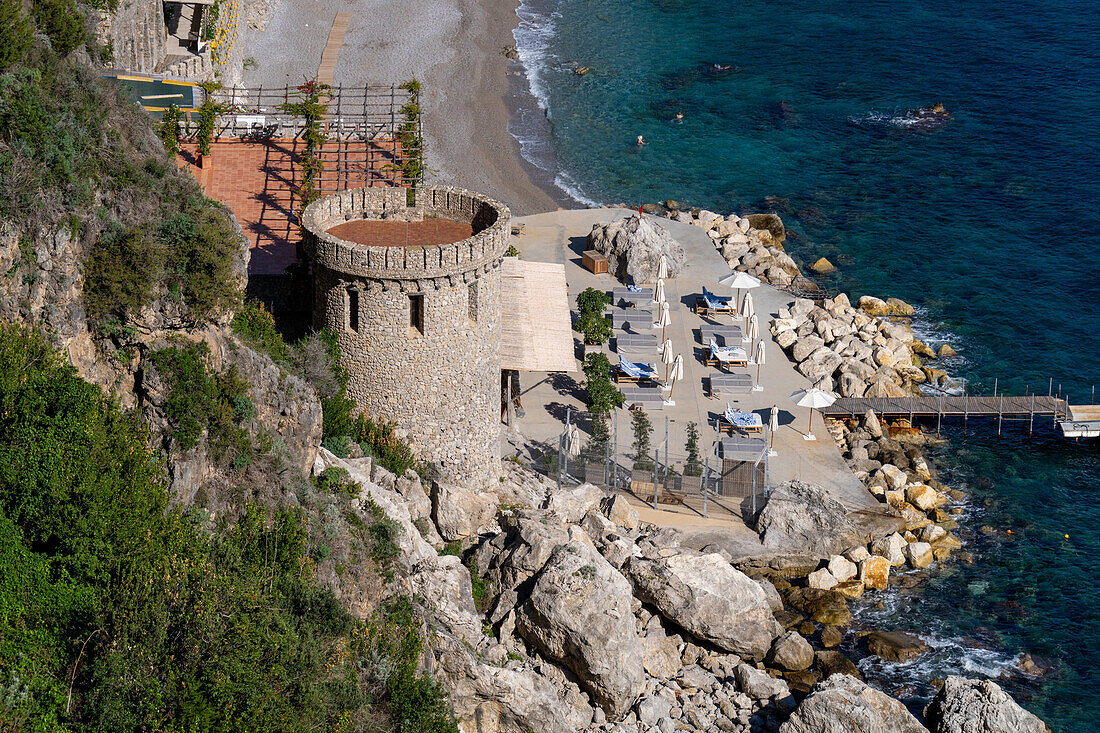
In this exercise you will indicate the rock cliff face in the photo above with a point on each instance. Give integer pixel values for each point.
(978, 706)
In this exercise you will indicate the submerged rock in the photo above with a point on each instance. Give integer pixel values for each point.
(895, 646)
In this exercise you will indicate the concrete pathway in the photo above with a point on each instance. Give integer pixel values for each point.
(560, 237)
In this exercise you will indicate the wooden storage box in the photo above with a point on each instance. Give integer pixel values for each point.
(594, 261)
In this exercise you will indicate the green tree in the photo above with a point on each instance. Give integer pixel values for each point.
(591, 321)
(643, 431)
(15, 33)
(602, 395)
(169, 131)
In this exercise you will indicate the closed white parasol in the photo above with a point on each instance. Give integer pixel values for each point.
(773, 425)
(676, 375)
(667, 355)
(662, 268)
(814, 399)
(659, 291)
(663, 319)
(740, 281)
(758, 357)
(748, 310)
(752, 328)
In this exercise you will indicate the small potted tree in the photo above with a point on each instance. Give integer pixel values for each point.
(591, 323)
(641, 480)
(603, 397)
(693, 469)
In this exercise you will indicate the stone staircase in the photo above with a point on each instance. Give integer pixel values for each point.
(138, 35)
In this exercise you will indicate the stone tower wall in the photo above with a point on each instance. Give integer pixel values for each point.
(442, 384)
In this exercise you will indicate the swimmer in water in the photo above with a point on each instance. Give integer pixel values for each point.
(679, 118)
(641, 141)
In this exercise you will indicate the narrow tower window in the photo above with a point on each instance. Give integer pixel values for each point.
(416, 314)
(353, 309)
(472, 303)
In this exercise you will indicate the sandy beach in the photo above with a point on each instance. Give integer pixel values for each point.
(454, 47)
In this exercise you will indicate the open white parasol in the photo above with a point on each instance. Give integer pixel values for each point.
(740, 281)
(814, 399)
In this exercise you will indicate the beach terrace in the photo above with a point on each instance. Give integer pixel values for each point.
(551, 399)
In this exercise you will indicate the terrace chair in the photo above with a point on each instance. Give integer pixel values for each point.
(747, 422)
(726, 356)
(633, 372)
(708, 303)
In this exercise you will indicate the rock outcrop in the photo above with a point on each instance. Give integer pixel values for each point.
(978, 706)
(707, 596)
(579, 614)
(802, 516)
(634, 246)
(843, 704)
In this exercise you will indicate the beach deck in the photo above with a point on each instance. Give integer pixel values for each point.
(560, 237)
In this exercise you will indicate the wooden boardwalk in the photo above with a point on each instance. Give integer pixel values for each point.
(1001, 407)
(327, 70)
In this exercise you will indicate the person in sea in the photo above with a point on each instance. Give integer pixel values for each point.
(679, 117)
(641, 141)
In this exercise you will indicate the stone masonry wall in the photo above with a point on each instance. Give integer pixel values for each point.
(442, 384)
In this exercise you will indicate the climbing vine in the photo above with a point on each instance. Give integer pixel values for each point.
(412, 142)
(208, 115)
(170, 131)
(311, 106)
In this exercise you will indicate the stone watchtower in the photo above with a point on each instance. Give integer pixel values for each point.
(413, 294)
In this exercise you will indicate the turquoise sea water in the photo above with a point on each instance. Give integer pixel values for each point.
(988, 222)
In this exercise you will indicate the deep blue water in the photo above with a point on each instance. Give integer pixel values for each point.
(988, 222)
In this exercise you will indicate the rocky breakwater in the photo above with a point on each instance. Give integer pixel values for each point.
(753, 243)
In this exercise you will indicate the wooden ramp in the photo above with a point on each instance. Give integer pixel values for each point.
(948, 406)
(327, 69)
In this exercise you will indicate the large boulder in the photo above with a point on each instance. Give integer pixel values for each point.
(800, 515)
(634, 246)
(460, 512)
(619, 511)
(572, 504)
(579, 614)
(978, 706)
(705, 595)
(843, 704)
(790, 651)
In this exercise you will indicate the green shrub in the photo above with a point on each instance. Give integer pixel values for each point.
(61, 22)
(117, 613)
(199, 401)
(15, 33)
(169, 130)
(121, 273)
(256, 326)
(601, 394)
(591, 320)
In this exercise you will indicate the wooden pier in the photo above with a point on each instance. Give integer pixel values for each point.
(1002, 407)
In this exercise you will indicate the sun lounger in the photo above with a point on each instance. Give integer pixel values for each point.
(636, 343)
(626, 296)
(722, 385)
(632, 371)
(724, 334)
(708, 303)
(748, 422)
(632, 319)
(740, 448)
(648, 398)
(726, 356)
